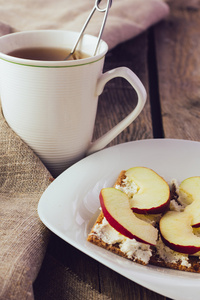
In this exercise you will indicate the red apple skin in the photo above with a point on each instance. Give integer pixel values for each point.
(180, 248)
(117, 226)
(154, 210)
(196, 225)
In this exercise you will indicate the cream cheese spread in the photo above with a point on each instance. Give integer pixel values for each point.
(129, 187)
(136, 250)
(133, 249)
(170, 256)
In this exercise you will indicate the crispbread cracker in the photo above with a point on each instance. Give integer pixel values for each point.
(155, 259)
(113, 248)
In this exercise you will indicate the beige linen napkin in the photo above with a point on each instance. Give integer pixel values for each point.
(23, 238)
(23, 178)
(127, 18)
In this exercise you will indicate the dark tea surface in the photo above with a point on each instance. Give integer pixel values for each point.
(47, 54)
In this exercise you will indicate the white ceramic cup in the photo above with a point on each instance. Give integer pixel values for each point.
(52, 105)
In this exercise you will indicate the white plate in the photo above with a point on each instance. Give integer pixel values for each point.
(70, 205)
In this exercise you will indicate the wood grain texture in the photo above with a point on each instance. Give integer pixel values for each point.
(118, 98)
(178, 63)
(133, 54)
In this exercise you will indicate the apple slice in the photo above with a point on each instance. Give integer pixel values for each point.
(189, 189)
(153, 193)
(177, 232)
(194, 210)
(116, 209)
(189, 193)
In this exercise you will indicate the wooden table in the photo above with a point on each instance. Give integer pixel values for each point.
(167, 60)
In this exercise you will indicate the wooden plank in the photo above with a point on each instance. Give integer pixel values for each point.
(118, 98)
(178, 60)
(63, 261)
(132, 54)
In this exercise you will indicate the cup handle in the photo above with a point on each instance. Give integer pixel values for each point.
(117, 129)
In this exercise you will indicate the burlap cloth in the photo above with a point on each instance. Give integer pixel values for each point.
(23, 178)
